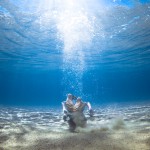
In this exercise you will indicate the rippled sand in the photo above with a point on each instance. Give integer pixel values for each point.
(112, 128)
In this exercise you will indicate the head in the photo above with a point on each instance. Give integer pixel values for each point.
(79, 99)
(70, 96)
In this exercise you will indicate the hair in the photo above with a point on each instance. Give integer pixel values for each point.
(79, 98)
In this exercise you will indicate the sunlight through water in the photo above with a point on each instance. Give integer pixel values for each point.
(75, 25)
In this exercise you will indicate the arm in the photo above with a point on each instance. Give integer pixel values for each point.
(64, 108)
(64, 111)
(91, 112)
(89, 106)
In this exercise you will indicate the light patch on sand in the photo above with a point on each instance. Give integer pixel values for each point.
(105, 131)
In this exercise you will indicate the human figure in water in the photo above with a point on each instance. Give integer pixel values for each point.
(73, 113)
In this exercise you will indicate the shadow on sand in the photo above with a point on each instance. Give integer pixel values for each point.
(82, 141)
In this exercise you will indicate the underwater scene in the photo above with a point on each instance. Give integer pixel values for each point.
(75, 75)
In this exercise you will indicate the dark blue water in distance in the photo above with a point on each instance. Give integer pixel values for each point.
(99, 50)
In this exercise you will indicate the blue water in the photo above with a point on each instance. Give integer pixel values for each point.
(98, 50)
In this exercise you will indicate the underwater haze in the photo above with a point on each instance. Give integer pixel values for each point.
(98, 50)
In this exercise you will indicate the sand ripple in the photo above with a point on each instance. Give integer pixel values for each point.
(112, 127)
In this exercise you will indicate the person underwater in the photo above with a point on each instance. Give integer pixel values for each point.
(74, 113)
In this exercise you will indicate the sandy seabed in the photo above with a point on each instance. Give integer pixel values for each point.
(31, 129)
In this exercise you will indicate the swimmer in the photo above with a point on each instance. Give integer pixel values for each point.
(80, 106)
(68, 105)
(73, 113)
